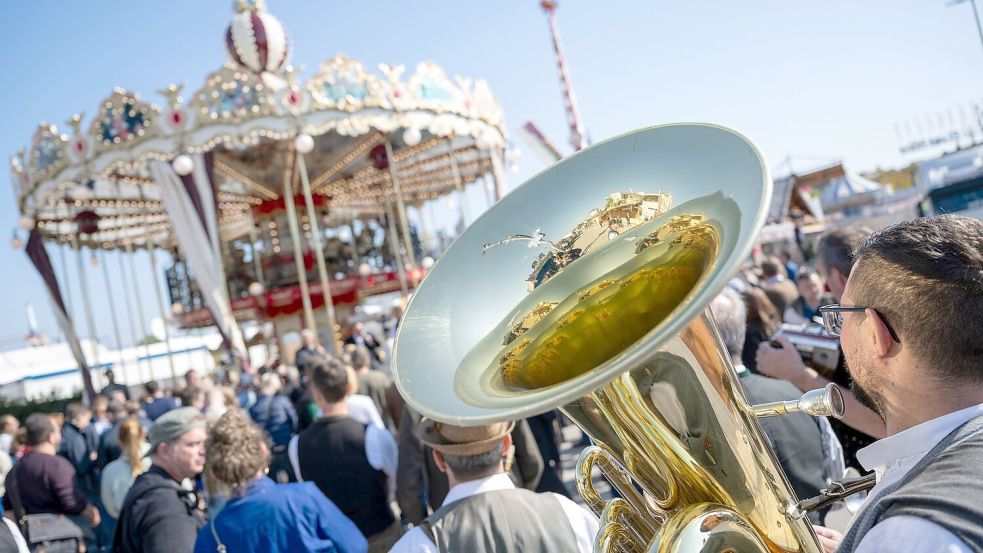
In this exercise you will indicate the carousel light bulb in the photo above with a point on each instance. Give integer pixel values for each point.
(304, 143)
(364, 269)
(25, 222)
(183, 165)
(412, 136)
(177, 308)
(256, 288)
(427, 262)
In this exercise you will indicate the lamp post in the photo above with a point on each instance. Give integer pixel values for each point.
(976, 15)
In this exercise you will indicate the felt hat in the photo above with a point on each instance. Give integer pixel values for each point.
(462, 440)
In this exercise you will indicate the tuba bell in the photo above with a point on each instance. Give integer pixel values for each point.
(586, 288)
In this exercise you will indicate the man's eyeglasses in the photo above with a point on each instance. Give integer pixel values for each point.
(833, 318)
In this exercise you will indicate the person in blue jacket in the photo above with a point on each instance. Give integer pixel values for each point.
(263, 515)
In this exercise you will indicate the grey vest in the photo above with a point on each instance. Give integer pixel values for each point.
(945, 487)
(502, 521)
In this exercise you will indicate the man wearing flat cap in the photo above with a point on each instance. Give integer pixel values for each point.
(484, 511)
(159, 514)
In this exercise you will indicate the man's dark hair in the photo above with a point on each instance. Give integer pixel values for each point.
(330, 377)
(771, 267)
(926, 277)
(468, 467)
(117, 410)
(74, 410)
(307, 363)
(835, 249)
(804, 275)
(189, 395)
(39, 427)
(152, 387)
(360, 357)
(109, 374)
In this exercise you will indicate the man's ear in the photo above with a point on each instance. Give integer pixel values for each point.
(880, 336)
(438, 459)
(506, 443)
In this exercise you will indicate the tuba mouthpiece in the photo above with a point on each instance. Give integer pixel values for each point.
(824, 402)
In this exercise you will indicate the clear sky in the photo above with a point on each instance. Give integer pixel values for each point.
(813, 79)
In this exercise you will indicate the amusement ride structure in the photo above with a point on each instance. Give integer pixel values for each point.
(279, 200)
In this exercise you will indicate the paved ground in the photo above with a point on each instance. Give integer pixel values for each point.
(837, 519)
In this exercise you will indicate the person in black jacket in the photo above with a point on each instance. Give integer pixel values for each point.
(109, 446)
(80, 446)
(159, 515)
(276, 416)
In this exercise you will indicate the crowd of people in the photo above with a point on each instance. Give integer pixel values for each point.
(324, 452)
(324, 455)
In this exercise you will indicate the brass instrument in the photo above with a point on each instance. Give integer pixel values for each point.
(586, 289)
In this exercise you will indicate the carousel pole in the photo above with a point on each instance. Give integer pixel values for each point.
(64, 268)
(86, 303)
(295, 238)
(458, 182)
(322, 269)
(394, 244)
(163, 314)
(253, 238)
(355, 257)
(160, 301)
(400, 206)
(498, 174)
(128, 250)
(129, 312)
(425, 236)
(140, 316)
(112, 309)
(64, 276)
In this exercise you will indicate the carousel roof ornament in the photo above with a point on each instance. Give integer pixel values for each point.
(443, 131)
(255, 39)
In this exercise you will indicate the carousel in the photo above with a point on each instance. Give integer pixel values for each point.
(279, 202)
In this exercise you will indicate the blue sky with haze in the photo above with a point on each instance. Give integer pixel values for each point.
(813, 79)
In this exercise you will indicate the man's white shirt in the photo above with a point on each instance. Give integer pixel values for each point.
(891, 459)
(583, 522)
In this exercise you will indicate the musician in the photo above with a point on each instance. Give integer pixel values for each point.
(860, 426)
(911, 328)
(484, 511)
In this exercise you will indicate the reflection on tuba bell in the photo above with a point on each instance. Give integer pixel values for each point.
(586, 288)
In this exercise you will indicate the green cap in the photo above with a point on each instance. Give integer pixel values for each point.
(174, 424)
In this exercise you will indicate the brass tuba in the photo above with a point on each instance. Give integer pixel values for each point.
(586, 289)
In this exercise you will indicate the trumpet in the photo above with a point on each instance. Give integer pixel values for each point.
(586, 289)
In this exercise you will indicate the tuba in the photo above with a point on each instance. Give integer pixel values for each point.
(587, 288)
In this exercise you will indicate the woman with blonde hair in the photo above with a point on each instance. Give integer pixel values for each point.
(118, 475)
(263, 515)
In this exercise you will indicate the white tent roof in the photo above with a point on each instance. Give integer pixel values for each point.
(48, 360)
(849, 189)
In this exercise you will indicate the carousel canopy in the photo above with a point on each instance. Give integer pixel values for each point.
(95, 180)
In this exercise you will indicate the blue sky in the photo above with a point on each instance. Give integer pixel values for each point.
(813, 79)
